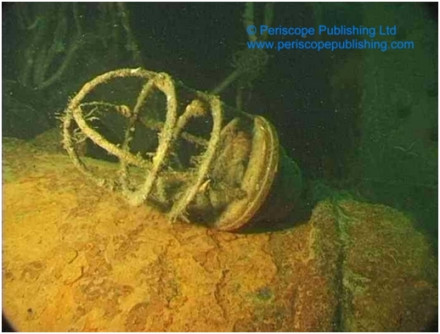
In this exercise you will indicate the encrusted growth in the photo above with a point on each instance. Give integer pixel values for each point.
(173, 187)
(174, 151)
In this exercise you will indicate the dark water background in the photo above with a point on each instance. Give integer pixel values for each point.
(359, 123)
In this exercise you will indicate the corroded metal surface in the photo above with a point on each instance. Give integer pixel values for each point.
(77, 258)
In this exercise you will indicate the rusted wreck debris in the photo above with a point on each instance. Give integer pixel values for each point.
(198, 160)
